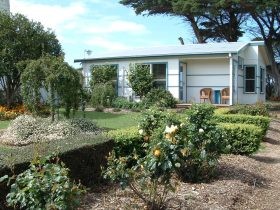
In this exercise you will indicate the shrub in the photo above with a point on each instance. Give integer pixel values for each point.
(27, 129)
(260, 109)
(45, 185)
(11, 113)
(159, 97)
(260, 121)
(101, 74)
(138, 161)
(127, 142)
(154, 118)
(103, 94)
(99, 108)
(222, 111)
(190, 148)
(140, 79)
(123, 103)
(84, 125)
(203, 144)
(243, 139)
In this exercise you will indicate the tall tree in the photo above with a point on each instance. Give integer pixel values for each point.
(21, 40)
(266, 15)
(210, 20)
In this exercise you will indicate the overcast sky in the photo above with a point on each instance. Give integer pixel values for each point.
(101, 25)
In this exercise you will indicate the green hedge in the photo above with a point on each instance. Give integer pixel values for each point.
(260, 121)
(243, 139)
(126, 140)
(83, 155)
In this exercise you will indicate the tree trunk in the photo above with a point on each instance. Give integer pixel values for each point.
(274, 69)
(196, 30)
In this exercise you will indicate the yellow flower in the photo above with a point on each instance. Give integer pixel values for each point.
(157, 152)
(184, 151)
(168, 136)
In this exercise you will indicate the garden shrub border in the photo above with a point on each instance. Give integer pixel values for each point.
(260, 121)
(242, 139)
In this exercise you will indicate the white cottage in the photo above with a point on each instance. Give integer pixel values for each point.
(186, 69)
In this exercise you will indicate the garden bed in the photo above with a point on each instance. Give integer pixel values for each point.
(242, 182)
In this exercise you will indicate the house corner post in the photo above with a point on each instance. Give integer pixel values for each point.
(230, 79)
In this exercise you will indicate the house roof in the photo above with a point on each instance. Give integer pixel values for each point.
(180, 50)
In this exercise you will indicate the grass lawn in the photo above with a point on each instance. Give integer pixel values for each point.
(4, 124)
(112, 120)
(103, 119)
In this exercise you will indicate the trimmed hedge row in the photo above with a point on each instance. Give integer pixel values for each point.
(126, 140)
(83, 155)
(243, 139)
(260, 121)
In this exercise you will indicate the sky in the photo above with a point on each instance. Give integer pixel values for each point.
(101, 26)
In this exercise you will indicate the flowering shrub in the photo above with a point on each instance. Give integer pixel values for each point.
(203, 144)
(11, 113)
(189, 148)
(27, 129)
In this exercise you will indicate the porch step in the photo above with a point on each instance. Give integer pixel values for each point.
(188, 105)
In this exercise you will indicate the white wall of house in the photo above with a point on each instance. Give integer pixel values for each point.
(206, 73)
(172, 77)
(252, 57)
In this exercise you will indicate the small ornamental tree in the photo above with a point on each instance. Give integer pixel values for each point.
(103, 86)
(102, 74)
(52, 74)
(140, 79)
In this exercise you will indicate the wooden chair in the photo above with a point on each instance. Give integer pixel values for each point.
(225, 95)
(206, 94)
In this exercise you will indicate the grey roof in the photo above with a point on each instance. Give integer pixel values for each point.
(180, 50)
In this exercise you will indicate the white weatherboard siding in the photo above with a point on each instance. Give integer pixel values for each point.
(252, 57)
(172, 80)
(206, 73)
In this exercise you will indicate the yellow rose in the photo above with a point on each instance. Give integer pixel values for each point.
(157, 153)
(168, 136)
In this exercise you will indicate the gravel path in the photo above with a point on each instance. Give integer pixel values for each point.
(242, 183)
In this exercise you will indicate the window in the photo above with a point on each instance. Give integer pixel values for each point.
(159, 75)
(250, 77)
(261, 79)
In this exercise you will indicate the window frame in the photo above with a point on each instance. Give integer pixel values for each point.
(262, 79)
(245, 79)
(150, 64)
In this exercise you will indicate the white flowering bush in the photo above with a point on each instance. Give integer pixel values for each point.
(27, 129)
